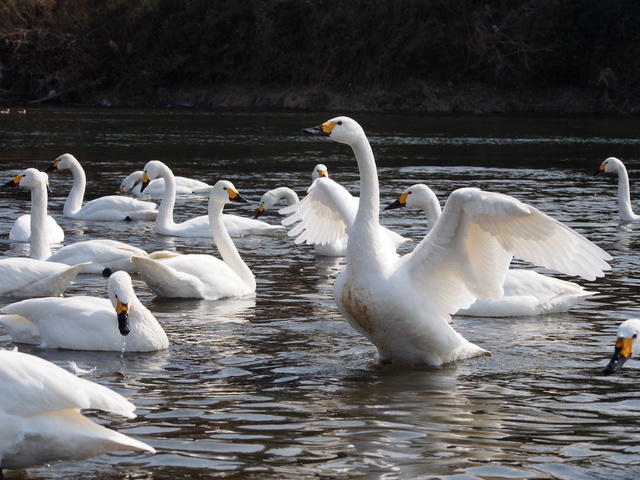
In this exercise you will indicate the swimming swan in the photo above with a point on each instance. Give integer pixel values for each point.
(107, 208)
(132, 184)
(324, 217)
(96, 255)
(614, 165)
(199, 226)
(526, 292)
(203, 276)
(34, 277)
(40, 414)
(87, 323)
(626, 346)
(404, 305)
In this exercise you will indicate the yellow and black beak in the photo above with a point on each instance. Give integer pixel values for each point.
(13, 183)
(621, 354)
(53, 167)
(121, 191)
(122, 310)
(145, 182)
(323, 130)
(399, 203)
(234, 196)
(259, 211)
(599, 170)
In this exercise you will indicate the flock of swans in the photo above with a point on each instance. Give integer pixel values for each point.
(401, 304)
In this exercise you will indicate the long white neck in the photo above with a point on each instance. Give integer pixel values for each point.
(431, 208)
(226, 247)
(40, 248)
(286, 194)
(73, 204)
(164, 220)
(624, 196)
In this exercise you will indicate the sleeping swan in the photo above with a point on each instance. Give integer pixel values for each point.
(40, 414)
(119, 323)
(202, 276)
(526, 292)
(108, 208)
(404, 305)
(132, 185)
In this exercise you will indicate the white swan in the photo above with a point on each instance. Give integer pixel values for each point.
(21, 230)
(34, 277)
(614, 165)
(119, 323)
(626, 346)
(325, 216)
(40, 414)
(132, 184)
(275, 196)
(199, 226)
(526, 292)
(96, 255)
(403, 305)
(203, 276)
(108, 208)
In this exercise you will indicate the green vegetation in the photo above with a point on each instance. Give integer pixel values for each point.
(412, 55)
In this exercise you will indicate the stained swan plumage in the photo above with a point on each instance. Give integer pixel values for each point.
(40, 414)
(203, 276)
(108, 208)
(87, 323)
(404, 305)
(526, 292)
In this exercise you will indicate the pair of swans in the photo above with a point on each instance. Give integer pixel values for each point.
(526, 292)
(614, 165)
(403, 306)
(47, 274)
(323, 217)
(235, 225)
(40, 414)
(132, 185)
(107, 208)
(202, 276)
(118, 323)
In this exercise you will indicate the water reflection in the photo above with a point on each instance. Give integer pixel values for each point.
(277, 385)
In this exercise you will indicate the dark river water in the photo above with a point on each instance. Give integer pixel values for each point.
(277, 385)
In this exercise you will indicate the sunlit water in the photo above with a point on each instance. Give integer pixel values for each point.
(277, 385)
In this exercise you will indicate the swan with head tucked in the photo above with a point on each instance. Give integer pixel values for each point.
(107, 208)
(526, 292)
(40, 414)
(325, 215)
(403, 305)
(626, 346)
(21, 230)
(203, 276)
(34, 277)
(235, 225)
(118, 323)
(132, 185)
(95, 255)
(614, 165)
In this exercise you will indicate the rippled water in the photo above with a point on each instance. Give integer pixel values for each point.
(278, 385)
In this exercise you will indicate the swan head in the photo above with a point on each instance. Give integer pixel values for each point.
(268, 200)
(63, 162)
(610, 165)
(152, 170)
(121, 295)
(30, 178)
(130, 181)
(224, 192)
(340, 129)
(319, 171)
(625, 347)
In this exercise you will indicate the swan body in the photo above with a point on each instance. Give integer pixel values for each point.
(202, 276)
(35, 277)
(614, 165)
(626, 347)
(40, 414)
(325, 215)
(87, 323)
(199, 226)
(404, 305)
(107, 208)
(526, 292)
(132, 184)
